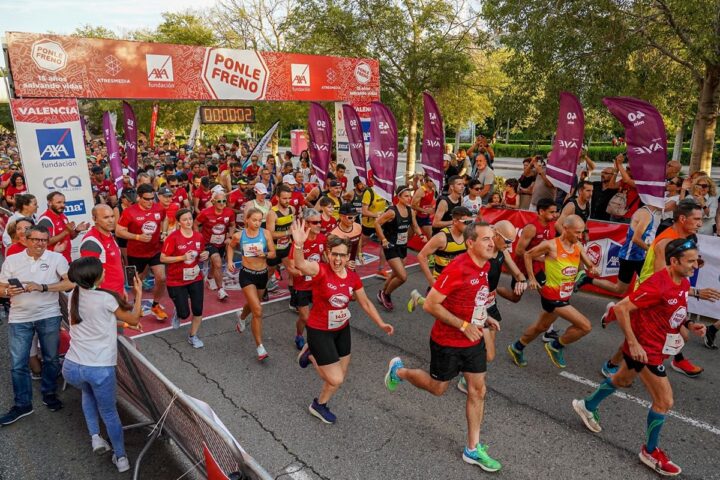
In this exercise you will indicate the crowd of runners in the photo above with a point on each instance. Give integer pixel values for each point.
(191, 217)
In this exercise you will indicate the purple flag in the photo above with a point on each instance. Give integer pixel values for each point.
(433, 145)
(383, 150)
(83, 125)
(646, 146)
(568, 142)
(356, 142)
(130, 139)
(320, 129)
(113, 151)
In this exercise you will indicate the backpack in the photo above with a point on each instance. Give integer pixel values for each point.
(617, 205)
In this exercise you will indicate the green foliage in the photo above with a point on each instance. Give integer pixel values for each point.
(94, 31)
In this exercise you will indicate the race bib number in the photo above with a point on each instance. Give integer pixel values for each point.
(402, 238)
(673, 344)
(239, 218)
(490, 300)
(479, 316)
(338, 318)
(283, 242)
(566, 290)
(217, 239)
(252, 249)
(190, 274)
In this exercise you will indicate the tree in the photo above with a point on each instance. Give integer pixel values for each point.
(655, 49)
(94, 31)
(183, 28)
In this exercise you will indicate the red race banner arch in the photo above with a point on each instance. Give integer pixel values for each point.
(52, 66)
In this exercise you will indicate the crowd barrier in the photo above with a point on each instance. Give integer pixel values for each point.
(603, 248)
(191, 424)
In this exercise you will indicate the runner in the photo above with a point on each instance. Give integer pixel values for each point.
(61, 229)
(313, 250)
(260, 202)
(327, 209)
(651, 318)
(447, 244)
(182, 251)
(216, 225)
(457, 301)
(423, 202)
(237, 200)
(279, 219)
(351, 231)
(446, 203)
(562, 259)
(393, 228)
(141, 225)
(333, 287)
(373, 206)
(357, 196)
(254, 244)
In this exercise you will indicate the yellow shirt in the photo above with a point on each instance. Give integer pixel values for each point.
(375, 205)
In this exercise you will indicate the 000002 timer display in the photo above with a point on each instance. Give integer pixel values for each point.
(227, 114)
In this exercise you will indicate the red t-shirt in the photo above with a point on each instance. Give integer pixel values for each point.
(662, 309)
(252, 170)
(139, 221)
(203, 197)
(180, 196)
(14, 248)
(104, 247)
(185, 272)
(105, 189)
(312, 251)
(331, 297)
(213, 226)
(236, 200)
(542, 233)
(12, 190)
(343, 182)
(327, 226)
(56, 224)
(465, 286)
(297, 200)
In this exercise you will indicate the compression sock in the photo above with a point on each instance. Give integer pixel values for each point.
(519, 346)
(655, 422)
(603, 391)
(679, 357)
(557, 344)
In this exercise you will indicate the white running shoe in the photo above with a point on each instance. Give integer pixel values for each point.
(211, 284)
(122, 463)
(222, 294)
(99, 445)
(240, 326)
(590, 419)
(262, 354)
(195, 341)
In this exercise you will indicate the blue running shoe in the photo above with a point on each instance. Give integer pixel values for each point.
(608, 371)
(556, 355)
(391, 379)
(304, 356)
(517, 356)
(322, 412)
(299, 341)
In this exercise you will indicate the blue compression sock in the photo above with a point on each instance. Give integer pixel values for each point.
(603, 391)
(655, 422)
(557, 345)
(519, 346)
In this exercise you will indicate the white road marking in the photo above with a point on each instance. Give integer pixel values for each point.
(296, 472)
(691, 421)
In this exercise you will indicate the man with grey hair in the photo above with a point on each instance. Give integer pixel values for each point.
(563, 255)
(313, 250)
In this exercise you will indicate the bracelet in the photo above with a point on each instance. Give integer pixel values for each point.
(464, 326)
(137, 236)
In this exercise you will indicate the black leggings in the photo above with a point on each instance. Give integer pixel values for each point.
(180, 295)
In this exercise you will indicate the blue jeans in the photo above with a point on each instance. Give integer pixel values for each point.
(98, 388)
(20, 336)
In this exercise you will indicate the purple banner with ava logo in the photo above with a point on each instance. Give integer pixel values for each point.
(567, 146)
(113, 150)
(356, 141)
(321, 136)
(646, 141)
(433, 144)
(130, 139)
(383, 150)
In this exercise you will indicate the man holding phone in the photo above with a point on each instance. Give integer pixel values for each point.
(99, 242)
(32, 280)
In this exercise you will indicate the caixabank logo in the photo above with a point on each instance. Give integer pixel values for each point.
(56, 147)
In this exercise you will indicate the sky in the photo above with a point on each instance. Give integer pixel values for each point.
(64, 16)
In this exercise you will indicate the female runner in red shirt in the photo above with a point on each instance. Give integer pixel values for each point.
(328, 332)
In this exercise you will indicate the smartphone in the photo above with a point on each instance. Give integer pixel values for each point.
(130, 274)
(15, 283)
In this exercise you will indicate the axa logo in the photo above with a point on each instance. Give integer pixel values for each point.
(320, 147)
(356, 146)
(75, 207)
(300, 75)
(646, 149)
(432, 143)
(159, 68)
(55, 143)
(567, 143)
(384, 153)
(62, 183)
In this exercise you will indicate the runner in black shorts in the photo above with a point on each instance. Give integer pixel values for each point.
(458, 301)
(651, 319)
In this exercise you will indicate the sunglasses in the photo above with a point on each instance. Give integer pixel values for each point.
(314, 222)
(147, 199)
(173, 186)
(467, 221)
(688, 245)
(703, 185)
(350, 217)
(39, 240)
(220, 201)
(506, 240)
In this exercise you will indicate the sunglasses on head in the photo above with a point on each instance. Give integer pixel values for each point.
(687, 245)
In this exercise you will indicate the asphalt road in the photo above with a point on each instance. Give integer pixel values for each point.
(529, 423)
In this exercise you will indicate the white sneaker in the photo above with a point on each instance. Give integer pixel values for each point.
(262, 354)
(272, 285)
(211, 284)
(590, 419)
(222, 294)
(240, 326)
(99, 445)
(195, 341)
(462, 385)
(122, 463)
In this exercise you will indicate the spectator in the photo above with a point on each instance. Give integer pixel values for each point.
(99, 242)
(543, 187)
(603, 191)
(62, 231)
(472, 201)
(25, 207)
(17, 230)
(672, 196)
(510, 197)
(704, 191)
(486, 176)
(16, 186)
(526, 182)
(90, 362)
(626, 187)
(35, 308)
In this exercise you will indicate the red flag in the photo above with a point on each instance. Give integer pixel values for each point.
(433, 144)
(568, 142)
(153, 123)
(214, 472)
(383, 150)
(320, 130)
(646, 141)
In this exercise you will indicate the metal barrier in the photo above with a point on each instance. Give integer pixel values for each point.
(174, 413)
